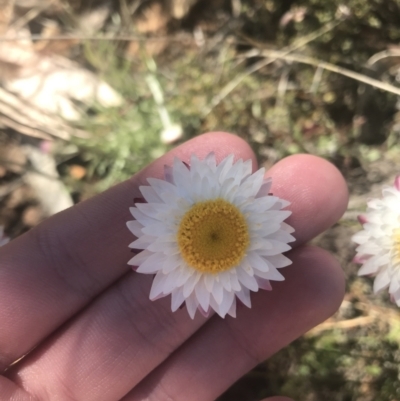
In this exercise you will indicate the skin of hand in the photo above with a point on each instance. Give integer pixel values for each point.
(83, 318)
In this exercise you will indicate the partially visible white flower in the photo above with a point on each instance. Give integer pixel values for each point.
(210, 233)
(379, 242)
(3, 238)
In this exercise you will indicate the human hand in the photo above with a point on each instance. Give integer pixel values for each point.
(69, 300)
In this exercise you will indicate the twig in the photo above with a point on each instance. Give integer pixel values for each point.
(333, 68)
(297, 44)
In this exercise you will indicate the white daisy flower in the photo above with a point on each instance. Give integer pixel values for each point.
(379, 242)
(3, 238)
(210, 233)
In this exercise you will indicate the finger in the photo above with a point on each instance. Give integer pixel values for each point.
(312, 181)
(105, 335)
(278, 398)
(54, 270)
(224, 350)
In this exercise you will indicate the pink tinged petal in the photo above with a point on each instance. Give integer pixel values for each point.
(152, 264)
(140, 217)
(381, 281)
(157, 287)
(189, 285)
(177, 299)
(191, 306)
(168, 174)
(203, 312)
(360, 259)
(140, 258)
(257, 262)
(248, 281)
(202, 295)
(232, 310)
(135, 228)
(265, 188)
(142, 242)
(218, 292)
(362, 219)
(263, 283)
(244, 296)
(149, 194)
(279, 260)
(397, 182)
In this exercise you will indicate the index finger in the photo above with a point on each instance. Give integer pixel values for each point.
(54, 270)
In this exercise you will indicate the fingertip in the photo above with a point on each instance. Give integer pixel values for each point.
(320, 279)
(221, 143)
(316, 189)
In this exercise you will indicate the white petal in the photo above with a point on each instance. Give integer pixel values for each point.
(140, 258)
(188, 288)
(248, 281)
(140, 217)
(226, 303)
(232, 310)
(217, 292)
(152, 264)
(279, 260)
(265, 188)
(142, 242)
(381, 281)
(203, 296)
(177, 299)
(272, 274)
(157, 287)
(191, 306)
(171, 263)
(257, 262)
(244, 296)
(209, 282)
(135, 228)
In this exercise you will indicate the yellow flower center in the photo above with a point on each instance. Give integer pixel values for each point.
(213, 236)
